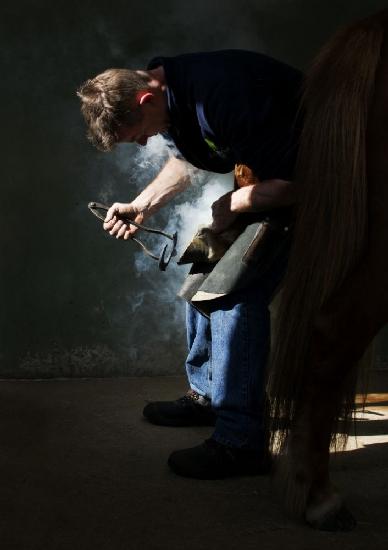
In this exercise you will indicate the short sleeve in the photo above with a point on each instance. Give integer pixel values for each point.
(238, 123)
(172, 148)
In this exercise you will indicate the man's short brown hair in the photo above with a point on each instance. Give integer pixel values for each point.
(108, 102)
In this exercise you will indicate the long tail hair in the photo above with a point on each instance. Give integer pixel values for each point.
(332, 187)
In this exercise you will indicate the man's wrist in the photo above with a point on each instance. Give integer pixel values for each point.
(141, 206)
(240, 200)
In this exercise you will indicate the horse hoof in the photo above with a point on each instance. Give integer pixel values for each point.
(335, 520)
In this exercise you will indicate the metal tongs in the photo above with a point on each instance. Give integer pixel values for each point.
(164, 258)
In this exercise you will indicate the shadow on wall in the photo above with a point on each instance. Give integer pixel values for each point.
(74, 302)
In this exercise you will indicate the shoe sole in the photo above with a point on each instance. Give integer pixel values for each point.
(264, 470)
(156, 418)
(176, 424)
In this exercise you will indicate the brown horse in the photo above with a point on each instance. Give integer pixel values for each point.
(335, 296)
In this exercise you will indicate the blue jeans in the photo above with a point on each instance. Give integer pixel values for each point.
(227, 359)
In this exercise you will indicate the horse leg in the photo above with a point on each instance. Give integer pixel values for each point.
(307, 458)
(343, 330)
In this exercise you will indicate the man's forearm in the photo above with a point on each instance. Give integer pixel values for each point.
(264, 195)
(171, 180)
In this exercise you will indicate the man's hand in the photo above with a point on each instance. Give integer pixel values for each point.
(118, 227)
(171, 180)
(223, 216)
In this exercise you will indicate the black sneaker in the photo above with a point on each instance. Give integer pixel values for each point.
(190, 410)
(212, 460)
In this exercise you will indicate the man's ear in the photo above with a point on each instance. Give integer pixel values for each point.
(144, 97)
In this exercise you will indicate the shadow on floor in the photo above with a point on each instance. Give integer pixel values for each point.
(80, 469)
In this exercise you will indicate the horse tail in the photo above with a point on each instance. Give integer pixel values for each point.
(331, 182)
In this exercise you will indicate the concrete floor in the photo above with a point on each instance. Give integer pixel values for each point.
(80, 469)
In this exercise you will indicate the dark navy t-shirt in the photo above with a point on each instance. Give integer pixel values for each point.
(233, 107)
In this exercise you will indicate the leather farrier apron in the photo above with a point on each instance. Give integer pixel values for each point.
(263, 238)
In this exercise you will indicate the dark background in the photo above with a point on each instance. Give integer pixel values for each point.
(73, 302)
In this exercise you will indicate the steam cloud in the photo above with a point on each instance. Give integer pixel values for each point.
(184, 217)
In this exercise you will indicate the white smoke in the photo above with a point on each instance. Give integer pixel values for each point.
(192, 214)
(186, 218)
(153, 155)
(184, 215)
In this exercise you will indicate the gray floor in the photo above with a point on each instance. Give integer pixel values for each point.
(80, 469)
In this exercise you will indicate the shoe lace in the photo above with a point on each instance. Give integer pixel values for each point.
(219, 450)
(191, 395)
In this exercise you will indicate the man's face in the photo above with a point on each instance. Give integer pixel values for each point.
(152, 120)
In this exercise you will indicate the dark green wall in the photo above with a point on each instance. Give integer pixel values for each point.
(72, 302)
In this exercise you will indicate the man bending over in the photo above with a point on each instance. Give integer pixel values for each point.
(221, 109)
